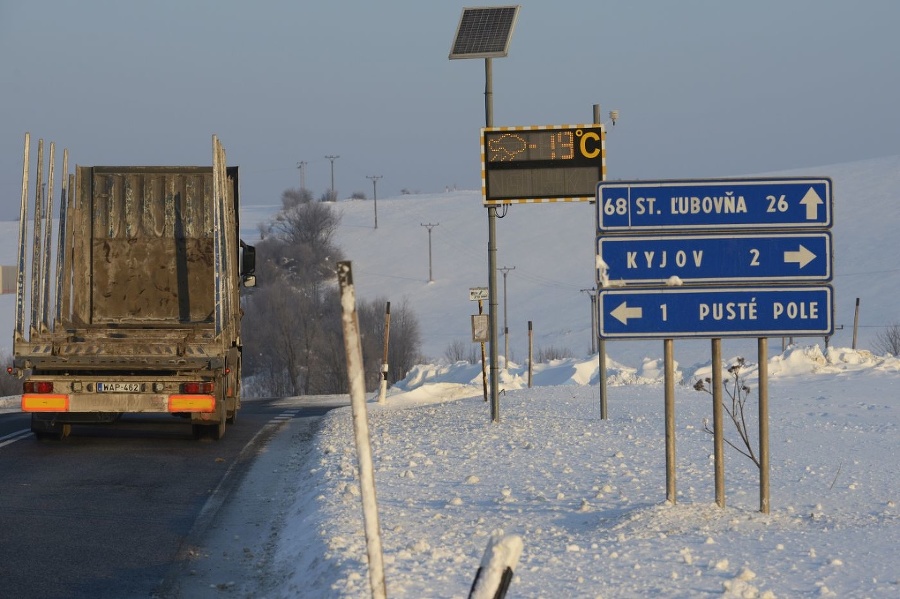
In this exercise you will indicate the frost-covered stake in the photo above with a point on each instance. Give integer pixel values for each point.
(496, 570)
(356, 377)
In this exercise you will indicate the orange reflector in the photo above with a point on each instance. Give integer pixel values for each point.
(45, 402)
(192, 403)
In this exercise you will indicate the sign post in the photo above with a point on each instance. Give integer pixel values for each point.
(480, 329)
(712, 259)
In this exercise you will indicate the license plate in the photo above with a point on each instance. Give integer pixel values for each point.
(118, 387)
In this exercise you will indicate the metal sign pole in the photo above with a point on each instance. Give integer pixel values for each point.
(492, 254)
(718, 434)
(668, 351)
(484, 381)
(763, 351)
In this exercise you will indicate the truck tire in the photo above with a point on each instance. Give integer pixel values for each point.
(49, 431)
(218, 430)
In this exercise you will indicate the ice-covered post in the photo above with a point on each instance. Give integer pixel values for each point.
(356, 378)
(497, 565)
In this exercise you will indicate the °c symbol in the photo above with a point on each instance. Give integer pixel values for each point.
(583, 145)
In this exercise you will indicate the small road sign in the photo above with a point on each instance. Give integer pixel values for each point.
(477, 294)
(747, 259)
(654, 206)
(699, 312)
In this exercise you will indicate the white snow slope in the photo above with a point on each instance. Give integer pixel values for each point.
(587, 496)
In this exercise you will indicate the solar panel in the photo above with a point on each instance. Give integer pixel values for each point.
(484, 32)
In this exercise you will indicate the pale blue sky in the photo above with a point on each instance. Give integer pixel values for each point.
(705, 88)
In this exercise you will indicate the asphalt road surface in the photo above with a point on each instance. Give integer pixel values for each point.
(136, 508)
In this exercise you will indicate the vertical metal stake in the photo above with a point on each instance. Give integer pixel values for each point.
(384, 361)
(668, 351)
(484, 380)
(601, 347)
(763, 351)
(23, 232)
(718, 435)
(602, 376)
(530, 353)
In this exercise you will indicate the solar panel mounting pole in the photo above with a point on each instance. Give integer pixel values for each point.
(485, 32)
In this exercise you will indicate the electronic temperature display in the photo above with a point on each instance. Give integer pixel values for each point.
(542, 164)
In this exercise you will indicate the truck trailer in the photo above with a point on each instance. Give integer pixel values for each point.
(141, 313)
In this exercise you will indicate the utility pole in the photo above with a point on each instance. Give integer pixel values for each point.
(593, 293)
(302, 166)
(332, 159)
(505, 270)
(375, 179)
(430, 226)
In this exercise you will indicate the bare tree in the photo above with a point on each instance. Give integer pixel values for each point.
(293, 340)
(457, 351)
(279, 337)
(404, 350)
(888, 340)
(404, 343)
(294, 197)
(552, 353)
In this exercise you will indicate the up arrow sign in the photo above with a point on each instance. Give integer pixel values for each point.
(623, 313)
(812, 201)
(802, 257)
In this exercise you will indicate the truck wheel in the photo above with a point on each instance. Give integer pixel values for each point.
(218, 430)
(48, 431)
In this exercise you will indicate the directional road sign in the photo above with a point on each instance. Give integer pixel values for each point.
(741, 259)
(698, 312)
(654, 206)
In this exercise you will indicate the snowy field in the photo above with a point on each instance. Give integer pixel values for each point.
(587, 496)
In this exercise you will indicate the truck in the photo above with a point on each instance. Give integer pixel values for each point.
(141, 313)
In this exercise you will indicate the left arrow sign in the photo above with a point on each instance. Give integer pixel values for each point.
(623, 313)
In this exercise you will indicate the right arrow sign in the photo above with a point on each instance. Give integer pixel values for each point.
(740, 259)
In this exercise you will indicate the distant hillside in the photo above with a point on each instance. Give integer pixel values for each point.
(551, 248)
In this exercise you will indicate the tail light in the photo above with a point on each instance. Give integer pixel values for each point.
(37, 387)
(198, 388)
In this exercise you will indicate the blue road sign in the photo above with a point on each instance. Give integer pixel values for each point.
(742, 259)
(648, 206)
(707, 313)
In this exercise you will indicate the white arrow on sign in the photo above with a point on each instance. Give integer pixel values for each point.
(802, 257)
(812, 201)
(623, 313)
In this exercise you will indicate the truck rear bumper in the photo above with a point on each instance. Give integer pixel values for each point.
(117, 403)
(53, 418)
